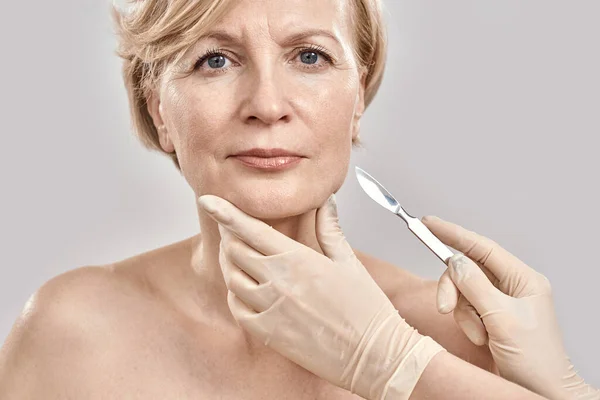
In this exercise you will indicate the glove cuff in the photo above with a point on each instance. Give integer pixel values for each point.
(405, 378)
(391, 359)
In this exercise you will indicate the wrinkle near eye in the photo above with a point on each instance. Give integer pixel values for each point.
(319, 59)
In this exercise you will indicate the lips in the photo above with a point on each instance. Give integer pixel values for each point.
(268, 159)
(266, 153)
(268, 162)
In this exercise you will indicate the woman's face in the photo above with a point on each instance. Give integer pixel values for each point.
(271, 74)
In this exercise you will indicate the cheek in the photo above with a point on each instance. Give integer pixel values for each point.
(329, 98)
(337, 143)
(331, 124)
(197, 116)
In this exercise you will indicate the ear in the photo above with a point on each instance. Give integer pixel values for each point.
(155, 110)
(359, 108)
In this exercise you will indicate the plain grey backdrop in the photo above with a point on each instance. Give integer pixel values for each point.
(488, 116)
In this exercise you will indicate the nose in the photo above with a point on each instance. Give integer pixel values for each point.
(265, 98)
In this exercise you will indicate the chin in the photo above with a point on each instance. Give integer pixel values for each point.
(279, 196)
(274, 200)
(273, 204)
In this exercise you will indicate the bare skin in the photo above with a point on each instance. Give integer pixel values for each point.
(140, 329)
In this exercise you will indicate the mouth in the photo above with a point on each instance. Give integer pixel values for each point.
(268, 159)
(267, 153)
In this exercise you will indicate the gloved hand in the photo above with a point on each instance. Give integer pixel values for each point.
(505, 303)
(324, 312)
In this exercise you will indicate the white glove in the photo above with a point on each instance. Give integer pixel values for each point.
(508, 305)
(324, 312)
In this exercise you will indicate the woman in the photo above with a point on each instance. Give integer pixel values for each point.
(217, 85)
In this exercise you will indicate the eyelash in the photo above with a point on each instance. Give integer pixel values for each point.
(220, 52)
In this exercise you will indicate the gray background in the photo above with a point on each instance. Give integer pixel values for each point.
(488, 116)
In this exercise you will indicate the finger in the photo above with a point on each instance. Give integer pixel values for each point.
(469, 322)
(258, 297)
(239, 310)
(243, 256)
(330, 235)
(472, 283)
(491, 277)
(497, 260)
(259, 325)
(282, 269)
(254, 232)
(447, 293)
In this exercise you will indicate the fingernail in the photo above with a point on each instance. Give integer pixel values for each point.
(333, 204)
(209, 204)
(444, 309)
(215, 208)
(443, 305)
(443, 299)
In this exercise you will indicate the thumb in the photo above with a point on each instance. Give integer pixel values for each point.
(472, 282)
(329, 234)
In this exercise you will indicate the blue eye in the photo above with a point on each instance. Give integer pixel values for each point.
(309, 57)
(215, 59)
(218, 62)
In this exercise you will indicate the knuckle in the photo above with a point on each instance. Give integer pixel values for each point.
(482, 247)
(261, 237)
(490, 247)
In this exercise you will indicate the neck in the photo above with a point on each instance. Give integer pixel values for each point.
(205, 258)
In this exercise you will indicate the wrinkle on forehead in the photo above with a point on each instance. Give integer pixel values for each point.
(273, 19)
(258, 23)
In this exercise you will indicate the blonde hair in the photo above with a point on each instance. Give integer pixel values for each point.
(153, 33)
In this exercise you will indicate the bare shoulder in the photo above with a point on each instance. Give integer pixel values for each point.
(78, 299)
(415, 299)
(54, 329)
(86, 301)
(63, 301)
(77, 325)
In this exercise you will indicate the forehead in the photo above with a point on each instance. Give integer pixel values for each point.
(276, 17)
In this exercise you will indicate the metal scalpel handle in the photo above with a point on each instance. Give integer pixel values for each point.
(424, 234)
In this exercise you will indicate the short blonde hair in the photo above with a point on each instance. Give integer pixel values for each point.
(153, 33)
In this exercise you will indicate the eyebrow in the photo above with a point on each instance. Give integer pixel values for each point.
(295, 37)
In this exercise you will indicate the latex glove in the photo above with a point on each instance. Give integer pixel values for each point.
(508, 305)
(324, 312)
